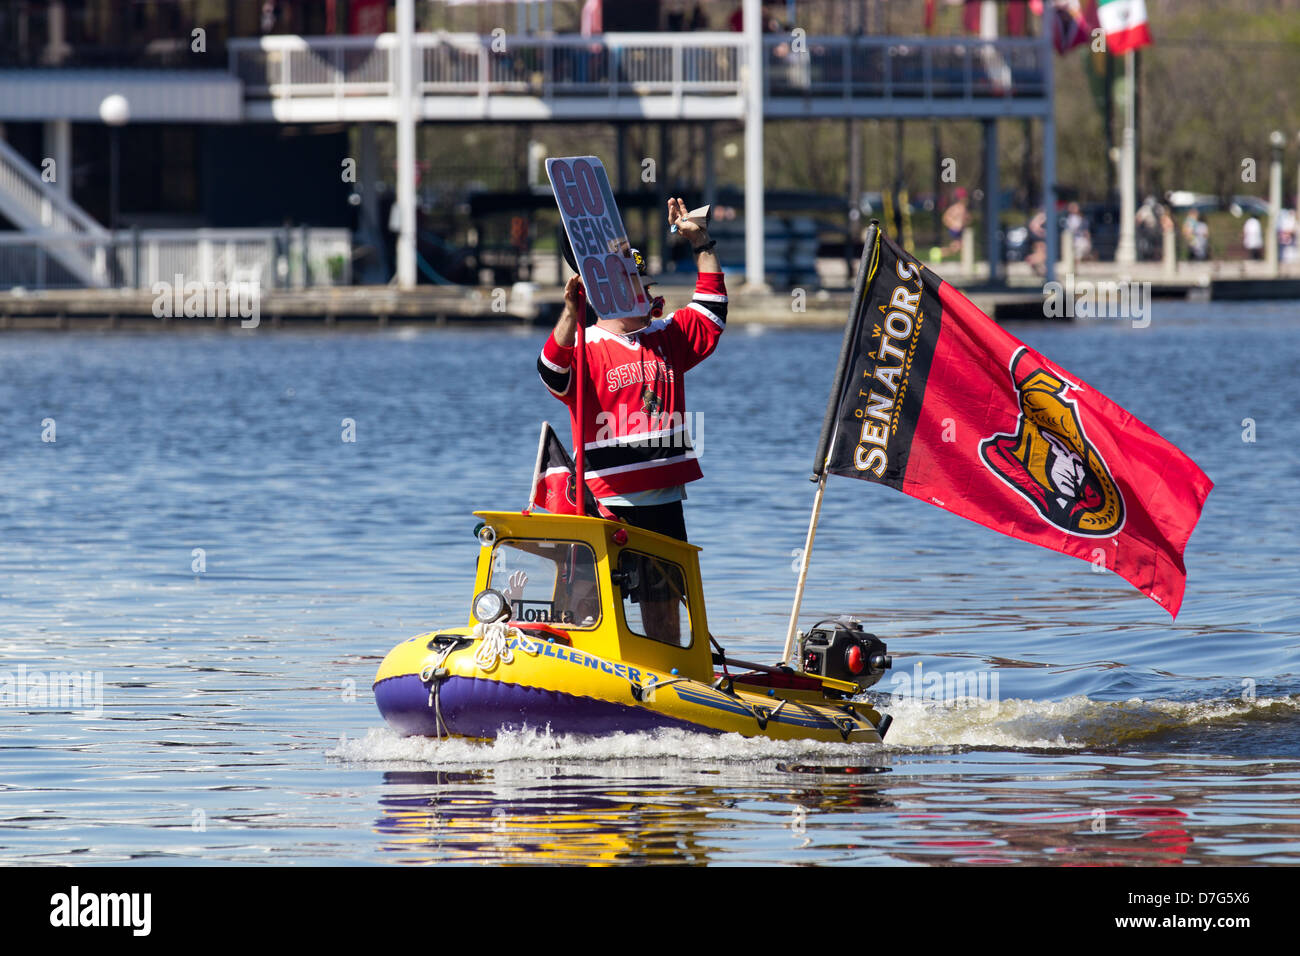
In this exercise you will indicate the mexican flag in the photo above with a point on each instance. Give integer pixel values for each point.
(1125, 23)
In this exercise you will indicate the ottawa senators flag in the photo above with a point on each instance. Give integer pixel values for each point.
(933, 398)
(555, 481)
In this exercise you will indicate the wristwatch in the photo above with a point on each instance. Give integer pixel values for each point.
(704, 248)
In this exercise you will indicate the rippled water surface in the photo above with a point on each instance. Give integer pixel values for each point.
(237, 723)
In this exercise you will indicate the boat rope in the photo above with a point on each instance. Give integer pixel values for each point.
(439, 725)
(432, 673)
(433, 663)
(494, 644)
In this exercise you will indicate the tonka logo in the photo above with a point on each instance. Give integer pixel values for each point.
(1049, 459)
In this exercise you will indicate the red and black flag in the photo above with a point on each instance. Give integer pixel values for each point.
(555, 481)
(934, 398)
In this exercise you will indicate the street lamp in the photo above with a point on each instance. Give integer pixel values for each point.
(1278, 142)
(114, 111)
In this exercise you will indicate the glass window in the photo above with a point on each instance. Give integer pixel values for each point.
(552, 582)
(654, 598)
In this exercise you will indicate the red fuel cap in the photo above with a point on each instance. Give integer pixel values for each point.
(853, 658)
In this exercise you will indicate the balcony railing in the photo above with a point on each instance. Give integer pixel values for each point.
(641, 64)
(887, 67)
(269, 258)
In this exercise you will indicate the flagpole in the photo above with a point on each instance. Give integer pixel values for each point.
(826, 442)
(1126, 251)
(579, 427)
(537, 467)
(793, 630)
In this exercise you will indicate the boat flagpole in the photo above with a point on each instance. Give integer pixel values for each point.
(793, 630)
(537, 467)
(830, 424)
(579, 431)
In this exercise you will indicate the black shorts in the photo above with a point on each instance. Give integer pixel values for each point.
(669, 519)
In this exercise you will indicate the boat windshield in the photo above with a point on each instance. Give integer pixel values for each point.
(552, 582)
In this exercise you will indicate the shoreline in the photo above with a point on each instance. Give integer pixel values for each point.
(1023, 297)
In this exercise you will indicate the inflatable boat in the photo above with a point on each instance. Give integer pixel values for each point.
(583, 625)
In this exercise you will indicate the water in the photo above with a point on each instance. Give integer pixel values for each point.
(237, 722)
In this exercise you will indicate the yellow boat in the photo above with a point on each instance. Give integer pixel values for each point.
(588, 626)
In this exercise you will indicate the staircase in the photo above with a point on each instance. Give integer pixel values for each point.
(66, 233)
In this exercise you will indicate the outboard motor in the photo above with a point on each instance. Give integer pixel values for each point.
(842, 650)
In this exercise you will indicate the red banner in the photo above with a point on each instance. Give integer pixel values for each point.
(942, 403)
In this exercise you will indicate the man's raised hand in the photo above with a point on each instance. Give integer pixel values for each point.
(692, 232)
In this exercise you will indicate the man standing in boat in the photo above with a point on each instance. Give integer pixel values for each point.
(638, 453)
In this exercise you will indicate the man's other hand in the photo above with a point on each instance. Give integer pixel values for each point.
(692, 232)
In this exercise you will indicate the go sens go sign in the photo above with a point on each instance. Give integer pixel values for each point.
(595, 229)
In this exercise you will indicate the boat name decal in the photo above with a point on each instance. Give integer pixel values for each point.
(574, 656)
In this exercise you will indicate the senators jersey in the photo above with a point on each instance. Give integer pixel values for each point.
(635, 437)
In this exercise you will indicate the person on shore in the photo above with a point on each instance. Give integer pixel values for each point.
(1252, 238)
(1286, 235)
(591, 24)
(1037, 258)
(1149, 230)
(1197, 236)
(637, 447)
(955, 220)
(1077, 225)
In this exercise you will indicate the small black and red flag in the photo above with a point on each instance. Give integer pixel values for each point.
(934, 398)
(555, 481)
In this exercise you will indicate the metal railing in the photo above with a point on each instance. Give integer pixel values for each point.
(38, 203)
(641, 64)
(269, 258)
(285, 66)
(38, 208)
(888, 67)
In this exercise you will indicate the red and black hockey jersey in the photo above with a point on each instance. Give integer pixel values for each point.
(636, 437)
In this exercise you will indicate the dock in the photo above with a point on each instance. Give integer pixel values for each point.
(1021, 297)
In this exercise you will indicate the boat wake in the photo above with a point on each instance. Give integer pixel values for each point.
(1076, 723)
(384, 745)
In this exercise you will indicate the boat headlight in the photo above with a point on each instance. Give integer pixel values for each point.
(487, 535)
(490, 606)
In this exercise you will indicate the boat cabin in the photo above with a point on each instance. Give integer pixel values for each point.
(607, 588)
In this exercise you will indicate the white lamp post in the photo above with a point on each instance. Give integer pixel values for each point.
(114, 111)
(1278, 142)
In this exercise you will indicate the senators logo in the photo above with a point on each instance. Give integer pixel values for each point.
(1049, 459)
